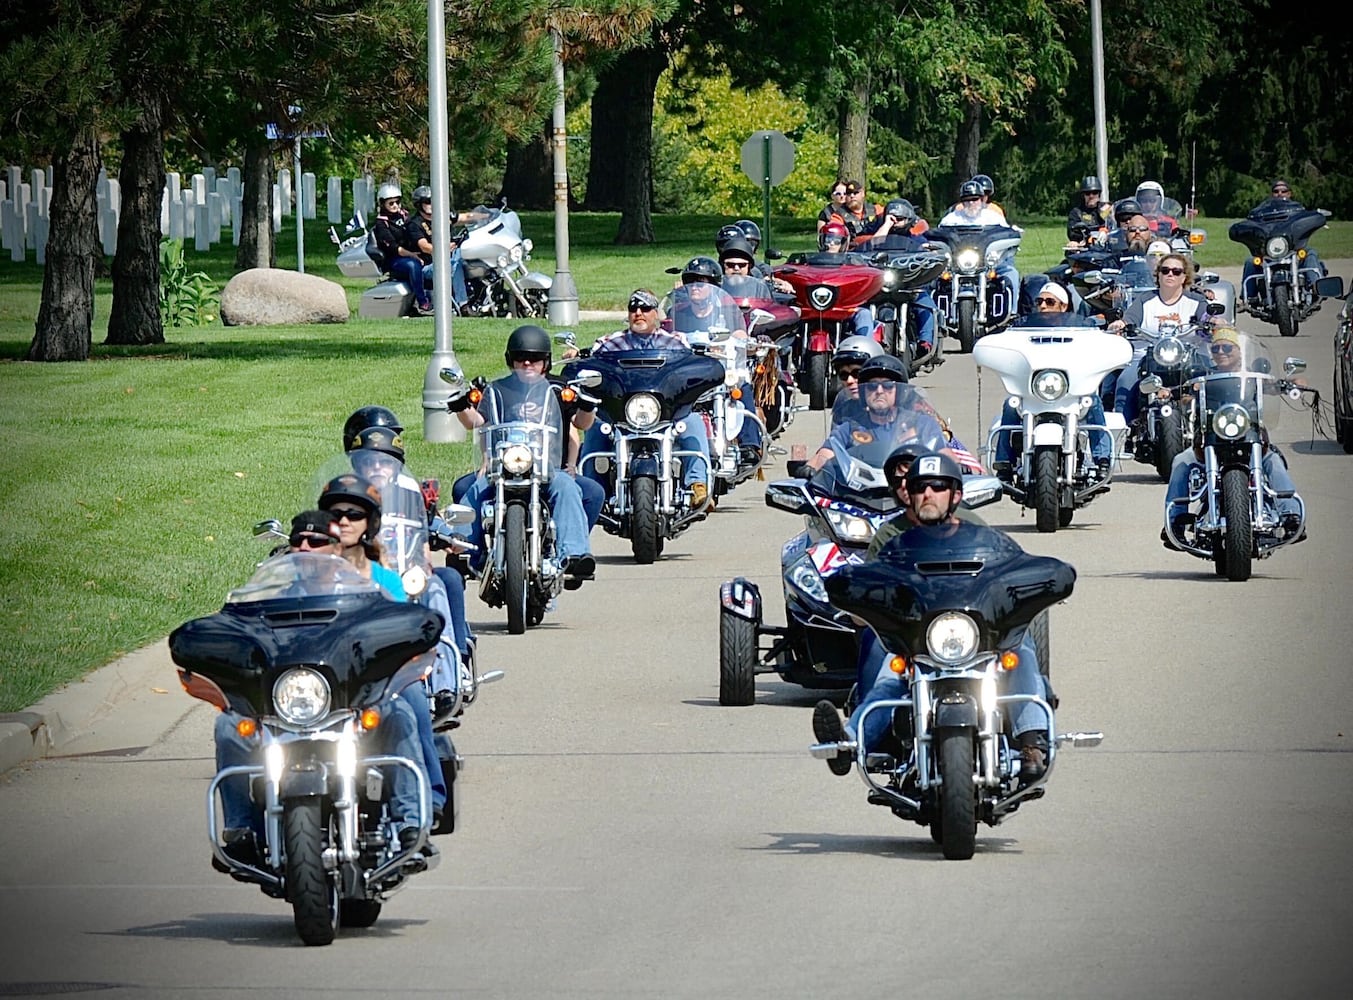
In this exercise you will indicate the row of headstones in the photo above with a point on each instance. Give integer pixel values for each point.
(197, 212)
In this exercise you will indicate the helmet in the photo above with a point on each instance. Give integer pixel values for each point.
(370, 416)
(381, 439)
(750, 230)
(969, 189)
(1126, 209)
(907, 453)
(857, 350)
(738, 248)
(702, 269)
(835, 232)
(1091, 185)
(727, 234)
(421, 194)
(354, 489)
(934, 465)
(987, 185)
(885, 366)
(901, 209)
(388, 190)
(528, 342)
(1150, 186)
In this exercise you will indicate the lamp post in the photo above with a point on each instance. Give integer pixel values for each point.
(1097, 69)
(563, 307)
(439, 426)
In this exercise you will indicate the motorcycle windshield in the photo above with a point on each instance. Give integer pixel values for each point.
(1240, 372)
(677, 378)
(969, 568)
(1174, 354)
(1292, 227)
(700, 309)
(519, 414)
(958, 238)
(302, 574)
(904, 271)
(856, 476)
(1082, 355)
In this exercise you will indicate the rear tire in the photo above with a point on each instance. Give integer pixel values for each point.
(1046, 504)
(514, 567)
(1169, 444)
(1284, 314)
(313, 894)
(644, 519)
(737, 660)
(967, 325)
(958, 797)
(1040, 630)
(816, 373)
(1239, 540)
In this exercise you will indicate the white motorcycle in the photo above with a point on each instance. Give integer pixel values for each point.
(497, 280)
(1052, 375)
(359, 257)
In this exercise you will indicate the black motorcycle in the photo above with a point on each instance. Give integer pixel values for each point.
(310, 653)
(1164, 425)
(905, 276)
(972, 299)
(640, 392)
(1343, 373)
(1284, 291)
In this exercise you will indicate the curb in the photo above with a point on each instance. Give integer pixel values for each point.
(587, 315)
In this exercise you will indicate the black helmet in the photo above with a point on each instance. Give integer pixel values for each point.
(987, 185)
(934, 465)
(969, 189)
(354, 489)
(739, 249)
(903, 453)
(726, 235)
(421, 194)
(901, 209)
(702, 269)
(750, 230)
(370, 416)
(1126, 209)
(885, 366)
(381, 439)
(1091, 185)
(528, 342)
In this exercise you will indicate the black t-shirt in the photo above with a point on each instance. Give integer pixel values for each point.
(389, 233)
(418, 228)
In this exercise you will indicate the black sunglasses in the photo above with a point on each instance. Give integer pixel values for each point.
(740, 264)
(1176, 271)
(1282, 190)
(1139, 229)
(880, 387)
(529, 357)
(845, 373)
(933, 485)
(1047, 302)
(312, 541)
(639, 307)
(348, 514)
(1222, 348)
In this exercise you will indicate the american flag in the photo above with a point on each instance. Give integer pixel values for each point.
(966, 458)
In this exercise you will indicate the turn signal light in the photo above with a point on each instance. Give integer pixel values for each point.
(761, 369)
(568, 395)
(1009, 660)
(1258, 261)
(899, 665)
(475, 396)
(1301, 254)
(371, 718)
(246, 727)
(735, 392)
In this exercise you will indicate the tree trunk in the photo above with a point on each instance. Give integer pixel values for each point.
(528, 181)
(65, 318)
(966, 143)
(852, 144)
(257, 246)
(610, 144)
(135, 315)
(641, 68)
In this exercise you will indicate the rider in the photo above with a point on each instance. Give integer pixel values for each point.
(528, 356)
(388, 230)
(930, 491)
(645, 333)
(852, 354)
(972, 210)
(835, 239)
(988, 187)
(893, 231)
(1131, 234)
(853, 214)
(1087, 213)
(1279, 202)
(418, 242)
(1151, 196)
(738, 261)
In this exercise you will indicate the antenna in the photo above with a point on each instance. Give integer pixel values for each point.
(1193, 178)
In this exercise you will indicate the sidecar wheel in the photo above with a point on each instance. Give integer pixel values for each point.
(958, 797)
(737, 660)
(514, 567)
(644, 519)
(1046, 504)
(359, 912)
(1284, 315)
(313, 894)
(1238, 542)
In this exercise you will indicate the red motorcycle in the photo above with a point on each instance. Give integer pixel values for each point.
(829, 289)
(772, 326)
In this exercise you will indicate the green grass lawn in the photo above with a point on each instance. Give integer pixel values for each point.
(132, 481)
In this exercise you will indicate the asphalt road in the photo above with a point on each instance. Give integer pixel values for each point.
(625, 836)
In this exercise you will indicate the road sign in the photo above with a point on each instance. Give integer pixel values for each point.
(767, 156)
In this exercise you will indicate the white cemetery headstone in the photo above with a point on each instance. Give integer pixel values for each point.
(37, 181)
(115, 195)
(236, 214)
(199, 183)
(6, 224)
(284, 190)
(108, 231)
(13, 178)
(175, 214)
(164, 211)
(215, 204)
(307, 195)
(359, 197)
(189, 216)
(209, 174)
(26, 203)
(44, 201)
(4, 190)
(174, 183)
(44, 226)
(17, 250)
(276, 209)
(201, 228)
(334, 194)
(227, 192)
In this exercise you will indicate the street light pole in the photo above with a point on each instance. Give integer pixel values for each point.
(439, 426)
(1097, 68)
(563, 307)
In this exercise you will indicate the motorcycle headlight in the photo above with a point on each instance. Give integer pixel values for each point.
(849, 527)
(517, 459)
(301, 696)
(821, 296)
(515, 253)
(527, 246)
(503, 262)
(1231, 421)
(890, 279)
(1049, 384)
(1167, 351)
(952, 637)
(415, 580)
(968, 259)
(804, 575)
(1277, 246)
(642, 410)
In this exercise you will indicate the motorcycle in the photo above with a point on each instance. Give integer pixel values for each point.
(1343, 371)
(497, 280)
(1164, 426)
(310, 653)
(829, 288)
(360, 257)
(905, 276)
(842, 504)
(522, 571)
(972, 299)
(952, 606)
(1051, 375)
(1283, 291)
(1235, 411)
(640, 393)
(770, 325)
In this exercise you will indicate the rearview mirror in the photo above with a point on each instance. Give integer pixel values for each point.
(1150, 385)
(1216, 308)
(1294, 366)
(458, 513)
(567, 338)
(1330, 288)
(788, 495)
(588, 378)
(452, 377)
(978, 491)
(774, 255)
(271, 527)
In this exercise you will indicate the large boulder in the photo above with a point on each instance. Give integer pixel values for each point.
(269, 296)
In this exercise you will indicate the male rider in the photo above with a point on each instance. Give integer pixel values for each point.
(418, 243)
(1279, 203)
(1151, 196)
(1088, 214)
(388, 230)
(893, 231)
(972, 210)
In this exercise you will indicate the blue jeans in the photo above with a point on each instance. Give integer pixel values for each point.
(750, 432)
(924, 311)
(594, 498)
(862, 322)
(885, 685)
(1101, 442)
(694, 439)
(566, 506)
(455, 599)
(1249, 287)
(1275, 472)
(410, 271)
(458, 291)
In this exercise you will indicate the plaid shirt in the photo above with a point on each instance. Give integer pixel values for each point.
(627, 340)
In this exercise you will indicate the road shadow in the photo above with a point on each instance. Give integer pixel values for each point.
(251, 929)
(780, 694)
(1322, 447)
(1029, 527)
(621, 559)
(906, 847)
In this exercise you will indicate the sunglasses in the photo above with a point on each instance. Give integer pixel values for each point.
(529, 359)
(736, 265)
(312, 541)
(348, 514)
(848, 373)
(1176, 271)
(880, 387)
(392, 201)
(1282, 190)
(639, 307)
(1222, 348)
(838, 194)
(1139, 229)
(933, 485)
(1047, 302)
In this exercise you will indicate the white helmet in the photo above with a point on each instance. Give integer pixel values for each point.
(1150, 186)
(1157, 248)
(388, 190)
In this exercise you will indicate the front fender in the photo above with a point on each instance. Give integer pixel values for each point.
(956, 714)
(305, 780)
(1049, 433)
(741, 597)
(534, 279)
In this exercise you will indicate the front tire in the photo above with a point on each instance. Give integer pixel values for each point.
(1283, 312)
(967, 325)
(514, 567)
(1169, 444)
(313, 894)
(359, 912)
(958, 799)
(737, 660)
(644, 519)
(1343, 407)
(1239, 540)
(816, 372)
(1046, 503)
